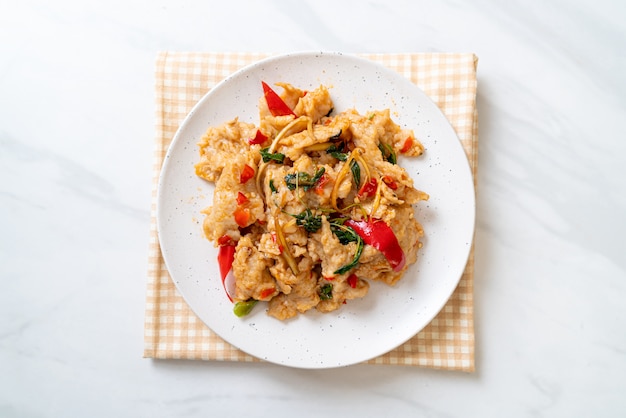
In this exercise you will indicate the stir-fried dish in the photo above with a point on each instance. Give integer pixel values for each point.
(310, 204)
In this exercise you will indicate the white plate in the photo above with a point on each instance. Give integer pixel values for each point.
(387, 316)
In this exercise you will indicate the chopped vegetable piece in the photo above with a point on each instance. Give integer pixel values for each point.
(336, 136)
(326, 291)
(291, 261)
(353, 280)
(319, 186)
(275, 240)
(259, 138)
(303, 180)
(368, 189)
(272, 187)
(408, 143)
(268, 156)
(242, 216)
(388, 153)
(242, 199)
(390, 182)
(275, 104)
(337, 151)
(246, 174)
(355, 259)
(310, 222)
(244, 308)
(322, 146)
(378, 234)
(341, 175)
(225, 240)
(266, 293)
(225, 258)
(356, 173)
(345, 234)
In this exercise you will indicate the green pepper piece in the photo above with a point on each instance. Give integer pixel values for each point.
(244, 308)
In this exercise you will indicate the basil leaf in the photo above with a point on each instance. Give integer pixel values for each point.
(344, 234)
(267, 156)
(310, 222)
(303, 180)
(326, 291)
(336, 136)
(337, 151)
(355, 260)
(356, 173)
(388, 153)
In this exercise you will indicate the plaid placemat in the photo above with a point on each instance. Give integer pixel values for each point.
(172, 330)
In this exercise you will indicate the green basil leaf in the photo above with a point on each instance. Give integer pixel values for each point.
(388, 153)
(356, 173)
(326, 291)
(267, 156)
(355, 260)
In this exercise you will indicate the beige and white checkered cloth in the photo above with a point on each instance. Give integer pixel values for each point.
(172, 330)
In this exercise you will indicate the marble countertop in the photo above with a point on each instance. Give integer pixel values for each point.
(76, 142)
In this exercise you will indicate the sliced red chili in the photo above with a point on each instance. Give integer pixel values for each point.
(241, 198)
(319, 185)
(225, 240)
(246, 174)
(379, 235)
(259, 138)
(408, 143)
(353, 280)
(242, 216)
(369, 188)
(275, 104)
(275, 240)
(265, 293)
(225, 258)
(390, 182)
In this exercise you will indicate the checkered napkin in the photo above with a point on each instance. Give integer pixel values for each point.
(172, 330)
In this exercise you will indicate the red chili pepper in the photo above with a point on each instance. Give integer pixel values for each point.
(379, 235)
(241, 198)
(275, 104)
(225, 240)
(408, 143)
(259, 138)
(242, 216)
(390, 182)
(319, 185)
(246, 174)
(265, 293)
(275, 240)
(225, 258)
(368, 189)
(353, 280)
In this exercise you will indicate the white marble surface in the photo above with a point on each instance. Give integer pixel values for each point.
(76, 134)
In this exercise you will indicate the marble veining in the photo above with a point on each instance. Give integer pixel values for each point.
(76, 144)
